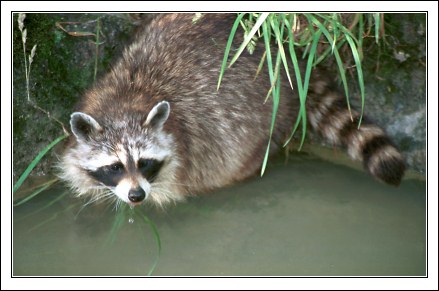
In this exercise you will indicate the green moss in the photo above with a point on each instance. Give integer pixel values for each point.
(62, 70)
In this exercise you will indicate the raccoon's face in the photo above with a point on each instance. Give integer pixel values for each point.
(124, 156)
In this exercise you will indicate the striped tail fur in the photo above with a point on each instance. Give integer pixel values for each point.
(329, 117)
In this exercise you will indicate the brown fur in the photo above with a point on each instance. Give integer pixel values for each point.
(221, 136)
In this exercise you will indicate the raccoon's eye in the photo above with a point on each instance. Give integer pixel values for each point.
(116, 167)
(108, 175)
(144, 164)
(149, 168)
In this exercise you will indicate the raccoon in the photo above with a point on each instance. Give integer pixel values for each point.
(155, 128)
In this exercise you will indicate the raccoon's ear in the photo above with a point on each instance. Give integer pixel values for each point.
(158, 115)
(83, 125)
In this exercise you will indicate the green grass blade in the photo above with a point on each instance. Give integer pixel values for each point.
(293, 55)
(266, 35)
(340, 65)
(265, 29)
(377, 26)
(298, 74)
(303, 89)
(327, 51)
(249, 37)
(36, 161)
(340, 26)
(275, 89)
(276, 99)
(279, 39)
(228, 47)
(359, 73)
(334, 22)
(360, 29)
(354, 45)
(309, 66)
(261, 65)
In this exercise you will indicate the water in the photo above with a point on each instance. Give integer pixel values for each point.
(305, 218)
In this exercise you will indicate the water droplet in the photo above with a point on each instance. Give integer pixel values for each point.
(131, 220)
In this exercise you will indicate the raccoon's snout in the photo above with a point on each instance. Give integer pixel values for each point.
(136, 195)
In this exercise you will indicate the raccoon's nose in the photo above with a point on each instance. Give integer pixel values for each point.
(136, 195)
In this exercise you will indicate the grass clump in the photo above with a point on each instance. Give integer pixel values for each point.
(312, 37)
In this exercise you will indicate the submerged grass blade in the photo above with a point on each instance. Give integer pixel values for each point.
(117, 224)
(121, 218)
(156, 237)
(36, 161)
(61, 196)
(53, 217)
(36, 192)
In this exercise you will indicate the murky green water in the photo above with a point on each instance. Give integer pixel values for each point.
(306, 218)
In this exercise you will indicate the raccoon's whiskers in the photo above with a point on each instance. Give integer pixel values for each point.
(102, 196)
